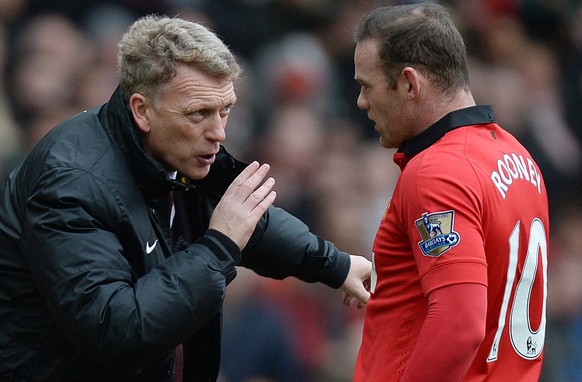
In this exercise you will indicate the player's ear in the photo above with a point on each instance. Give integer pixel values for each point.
(139, 105)
(410, 79)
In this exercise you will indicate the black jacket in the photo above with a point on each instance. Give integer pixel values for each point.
(91, 290)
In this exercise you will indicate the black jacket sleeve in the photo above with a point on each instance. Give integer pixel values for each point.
(283, 246)
(108, 312)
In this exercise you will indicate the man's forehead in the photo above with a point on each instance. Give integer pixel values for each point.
(367, 50)
(208, 91)
(212, 101)
(366, 59)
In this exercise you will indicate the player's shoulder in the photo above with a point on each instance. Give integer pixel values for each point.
(448, 154)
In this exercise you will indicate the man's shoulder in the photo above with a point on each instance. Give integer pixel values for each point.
(78, 145)
(76, 142)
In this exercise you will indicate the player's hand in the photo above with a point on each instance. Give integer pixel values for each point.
(243, 204)
(356, 287)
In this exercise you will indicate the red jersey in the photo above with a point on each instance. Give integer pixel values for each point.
(470, 206)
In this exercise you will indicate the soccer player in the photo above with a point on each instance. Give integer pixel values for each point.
(460, 256)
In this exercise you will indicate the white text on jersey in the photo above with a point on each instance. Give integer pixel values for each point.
(514, 167)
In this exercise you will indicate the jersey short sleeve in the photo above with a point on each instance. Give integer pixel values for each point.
(442, 219)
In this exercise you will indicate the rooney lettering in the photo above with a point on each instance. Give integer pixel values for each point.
(513, 167)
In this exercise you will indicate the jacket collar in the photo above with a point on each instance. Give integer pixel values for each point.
(474, 115)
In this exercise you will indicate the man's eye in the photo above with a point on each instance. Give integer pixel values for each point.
(198, 114)
(225, 111)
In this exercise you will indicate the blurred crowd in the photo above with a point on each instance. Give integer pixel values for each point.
(297, 111)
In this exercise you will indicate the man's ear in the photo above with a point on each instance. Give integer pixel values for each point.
(411, 79)
(139, 105)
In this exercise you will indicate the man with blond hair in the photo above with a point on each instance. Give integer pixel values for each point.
(121, 230)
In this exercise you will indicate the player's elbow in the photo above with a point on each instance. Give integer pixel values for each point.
(467, 304)
(473, 325)
(474, 334)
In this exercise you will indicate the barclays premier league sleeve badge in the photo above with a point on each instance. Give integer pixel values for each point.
(436, 232)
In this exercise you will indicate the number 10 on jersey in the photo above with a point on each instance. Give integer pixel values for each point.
(526, 342)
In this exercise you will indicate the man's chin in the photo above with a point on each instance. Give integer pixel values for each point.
(198, 173)
(388, 144)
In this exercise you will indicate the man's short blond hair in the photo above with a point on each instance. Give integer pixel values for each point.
(154, 46)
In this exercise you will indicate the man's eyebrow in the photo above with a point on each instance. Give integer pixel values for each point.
(209, 104)
(232, 100)
(360, 80)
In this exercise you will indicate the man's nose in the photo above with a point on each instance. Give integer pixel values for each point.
(217, 130)
(362, 102)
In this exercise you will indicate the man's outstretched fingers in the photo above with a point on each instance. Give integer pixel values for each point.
(250, 184)
(244, 175)
(261, 192)
(243, 203)
(247, 181)
(265, 203)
